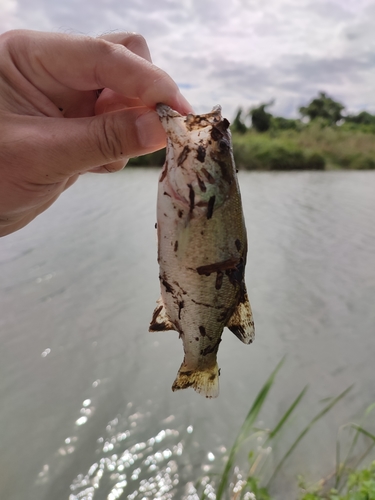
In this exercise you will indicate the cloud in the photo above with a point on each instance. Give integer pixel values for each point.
(235, 53)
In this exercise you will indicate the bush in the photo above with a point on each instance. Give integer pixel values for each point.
(253, 152)
(155, 159)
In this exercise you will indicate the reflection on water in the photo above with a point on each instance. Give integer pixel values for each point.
(151, 468)
(87, 410)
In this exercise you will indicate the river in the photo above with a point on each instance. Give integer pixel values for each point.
(86, 407)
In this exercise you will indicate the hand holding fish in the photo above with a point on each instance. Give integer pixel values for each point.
(71, 104)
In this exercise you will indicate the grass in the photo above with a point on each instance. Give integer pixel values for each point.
(347, 482)
(313, 147)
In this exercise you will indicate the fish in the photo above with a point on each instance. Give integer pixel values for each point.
(202, 245)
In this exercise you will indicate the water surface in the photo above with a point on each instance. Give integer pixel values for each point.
(86, 406)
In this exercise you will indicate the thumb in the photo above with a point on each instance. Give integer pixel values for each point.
(119, 135)
(57, 148)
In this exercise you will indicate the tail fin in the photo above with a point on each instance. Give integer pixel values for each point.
(206, 382)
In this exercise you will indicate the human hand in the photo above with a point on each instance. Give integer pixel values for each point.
(56, 122)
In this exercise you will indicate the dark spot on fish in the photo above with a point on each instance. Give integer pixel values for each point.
(216, 134)
(238, 244)
(201, 184)
(236, 170)
(164, 172)
(191, 197)
(222, 316)
(211, 348)
(236, 274)
(61, 109)
(176, 246)
(165, 215)
(156, 225)
(212, 376)
(210, 207)
(202, 233)
(180, 213)
(167, 194)
(219, 280)
(201, 153)
(225, 124)
(218, 266)
(202, 331)
(208, 176)
(183, 155)
(224, 168)
(180, 306)
(166, 285)
(187, 374)
(196, 338)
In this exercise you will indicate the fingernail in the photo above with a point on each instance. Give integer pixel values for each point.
(150, 132)
(184, 107)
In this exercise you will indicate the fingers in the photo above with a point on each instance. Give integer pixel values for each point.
(112, 101)
(132, 41)
(84, 63)
(56, 148)
(110, 168)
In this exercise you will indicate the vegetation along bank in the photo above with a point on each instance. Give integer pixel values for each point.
(325, 137)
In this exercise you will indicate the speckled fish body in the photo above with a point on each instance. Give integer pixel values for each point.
(202, 245)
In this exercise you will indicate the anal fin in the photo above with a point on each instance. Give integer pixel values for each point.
(241, 323)
(160, 321)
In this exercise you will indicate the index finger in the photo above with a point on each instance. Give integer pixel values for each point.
(85, 63)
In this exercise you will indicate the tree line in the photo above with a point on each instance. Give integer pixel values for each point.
(321, 109)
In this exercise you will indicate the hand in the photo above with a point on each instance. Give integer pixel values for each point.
(70, 104)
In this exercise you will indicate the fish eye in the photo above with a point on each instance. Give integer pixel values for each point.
(224, 146)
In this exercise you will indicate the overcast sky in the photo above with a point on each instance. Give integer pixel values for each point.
(234, 52)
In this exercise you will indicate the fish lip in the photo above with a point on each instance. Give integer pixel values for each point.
(165, 111)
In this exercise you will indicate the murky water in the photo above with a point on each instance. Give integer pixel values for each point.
(86, 409)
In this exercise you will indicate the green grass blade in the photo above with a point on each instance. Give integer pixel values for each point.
(340, 470)
(306, 429)
(363, 431)
(245, 429)
(287, 414)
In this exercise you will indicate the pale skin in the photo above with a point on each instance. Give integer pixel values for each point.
(72, 104)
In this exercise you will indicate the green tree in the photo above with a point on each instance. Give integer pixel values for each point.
(261, 120)
(323, 107)
(363, 118)
(238, 124)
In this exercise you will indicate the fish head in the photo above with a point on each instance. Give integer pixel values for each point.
(199, 166)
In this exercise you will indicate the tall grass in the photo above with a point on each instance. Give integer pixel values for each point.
(314, 147)
(233, 485)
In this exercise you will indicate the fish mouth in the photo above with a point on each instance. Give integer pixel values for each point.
(165, 111)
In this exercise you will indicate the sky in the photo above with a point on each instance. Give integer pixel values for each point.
(234, 52)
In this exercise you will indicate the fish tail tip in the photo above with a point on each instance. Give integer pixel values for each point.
(205, 382)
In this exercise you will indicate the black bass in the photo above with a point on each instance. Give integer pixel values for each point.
(202, 245)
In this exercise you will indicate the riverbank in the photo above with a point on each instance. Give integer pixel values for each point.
(312, 147)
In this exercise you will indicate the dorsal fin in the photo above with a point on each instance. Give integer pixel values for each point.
(160, 321)
(241, 323)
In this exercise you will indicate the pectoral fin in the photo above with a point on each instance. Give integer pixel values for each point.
(160, 321)
(241, 323)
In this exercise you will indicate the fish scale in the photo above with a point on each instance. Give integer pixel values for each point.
(202, 245)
